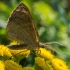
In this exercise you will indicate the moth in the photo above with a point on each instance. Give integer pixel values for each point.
(20, 27)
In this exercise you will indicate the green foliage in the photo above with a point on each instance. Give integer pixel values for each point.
(51, 19)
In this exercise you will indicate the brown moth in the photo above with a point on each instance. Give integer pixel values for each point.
(20, 27)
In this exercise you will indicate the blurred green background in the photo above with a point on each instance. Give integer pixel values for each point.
(52, 20)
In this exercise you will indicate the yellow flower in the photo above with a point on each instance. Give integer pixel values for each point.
(59, 64)
(42, 52)
(4, 51)
(11, 65)
(40, 64)
(22, 52)
(19, 54)
(2, 66)
(49, 64)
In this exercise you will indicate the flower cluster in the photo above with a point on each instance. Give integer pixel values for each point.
(44, 60)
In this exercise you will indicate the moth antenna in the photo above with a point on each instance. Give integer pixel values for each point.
(52, 43)
(49, 47)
